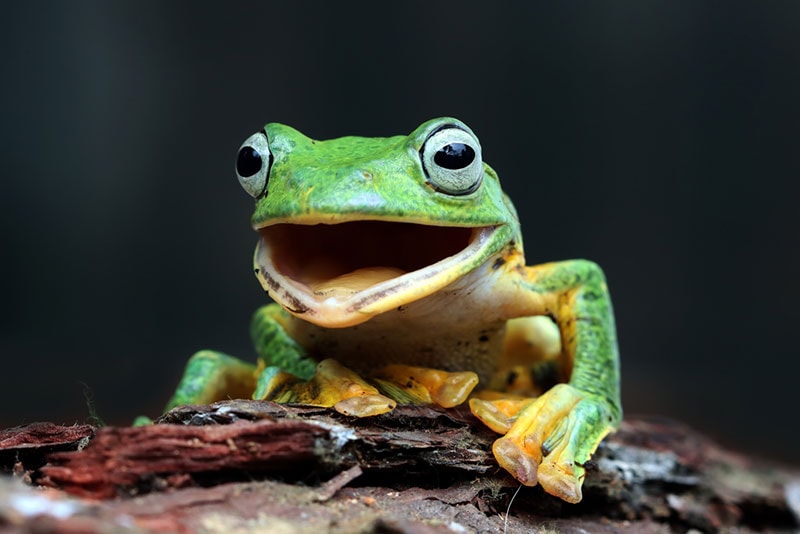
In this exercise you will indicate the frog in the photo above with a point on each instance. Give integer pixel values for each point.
(397, 275)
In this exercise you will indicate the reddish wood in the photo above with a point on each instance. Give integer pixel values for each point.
(39, 435)
(158, 456)
(412, 470)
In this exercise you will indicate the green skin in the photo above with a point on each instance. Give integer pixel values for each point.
(352, 179)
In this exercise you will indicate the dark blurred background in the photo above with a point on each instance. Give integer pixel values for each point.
(659, 139)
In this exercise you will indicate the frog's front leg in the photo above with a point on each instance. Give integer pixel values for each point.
(211, 376)
(549, 439)
(288, 375)
(332, 386)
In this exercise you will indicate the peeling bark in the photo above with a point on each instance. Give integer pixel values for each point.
(249, 465)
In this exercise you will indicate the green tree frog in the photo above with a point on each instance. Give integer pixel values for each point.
(397, 270)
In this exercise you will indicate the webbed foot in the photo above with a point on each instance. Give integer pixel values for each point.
(332, 385)
(549, 440)
(336, 386)
(421, 385)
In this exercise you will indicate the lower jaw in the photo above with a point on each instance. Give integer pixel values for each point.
(352, 297)
(350, 257)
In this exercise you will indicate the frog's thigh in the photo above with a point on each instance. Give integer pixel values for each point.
(211, 376)
(530, 339)
(551, 440)
(532, 359)
(532, 347)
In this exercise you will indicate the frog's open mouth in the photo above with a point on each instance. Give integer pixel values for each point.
(341, 274)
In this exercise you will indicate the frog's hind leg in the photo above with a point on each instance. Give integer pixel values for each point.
(531, 363)
(211, 376)
(532, 360)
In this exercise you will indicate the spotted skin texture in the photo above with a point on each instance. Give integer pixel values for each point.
(586, 320)
(549, 440)
(275, 347)
(362, 322)
(365, 178)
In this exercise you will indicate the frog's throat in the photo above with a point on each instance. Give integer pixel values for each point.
(339, 275)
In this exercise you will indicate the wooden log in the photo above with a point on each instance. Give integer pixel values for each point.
(417, 469)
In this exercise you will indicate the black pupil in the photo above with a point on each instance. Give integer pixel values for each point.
(454, 156)
(249, 162)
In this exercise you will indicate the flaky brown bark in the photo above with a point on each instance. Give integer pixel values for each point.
(251, 464)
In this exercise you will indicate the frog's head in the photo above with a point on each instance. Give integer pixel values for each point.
(354, 227)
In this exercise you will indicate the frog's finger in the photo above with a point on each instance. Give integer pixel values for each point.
(520, 451)
(498, 414)
(332, 385)
(566, 452)
(421, 385)
(276, 385)
(365, 405)
(552, 439)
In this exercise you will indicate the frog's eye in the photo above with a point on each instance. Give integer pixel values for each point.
(451, 158)
(253, 164)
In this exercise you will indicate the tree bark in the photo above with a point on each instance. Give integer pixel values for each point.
(250, 465)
